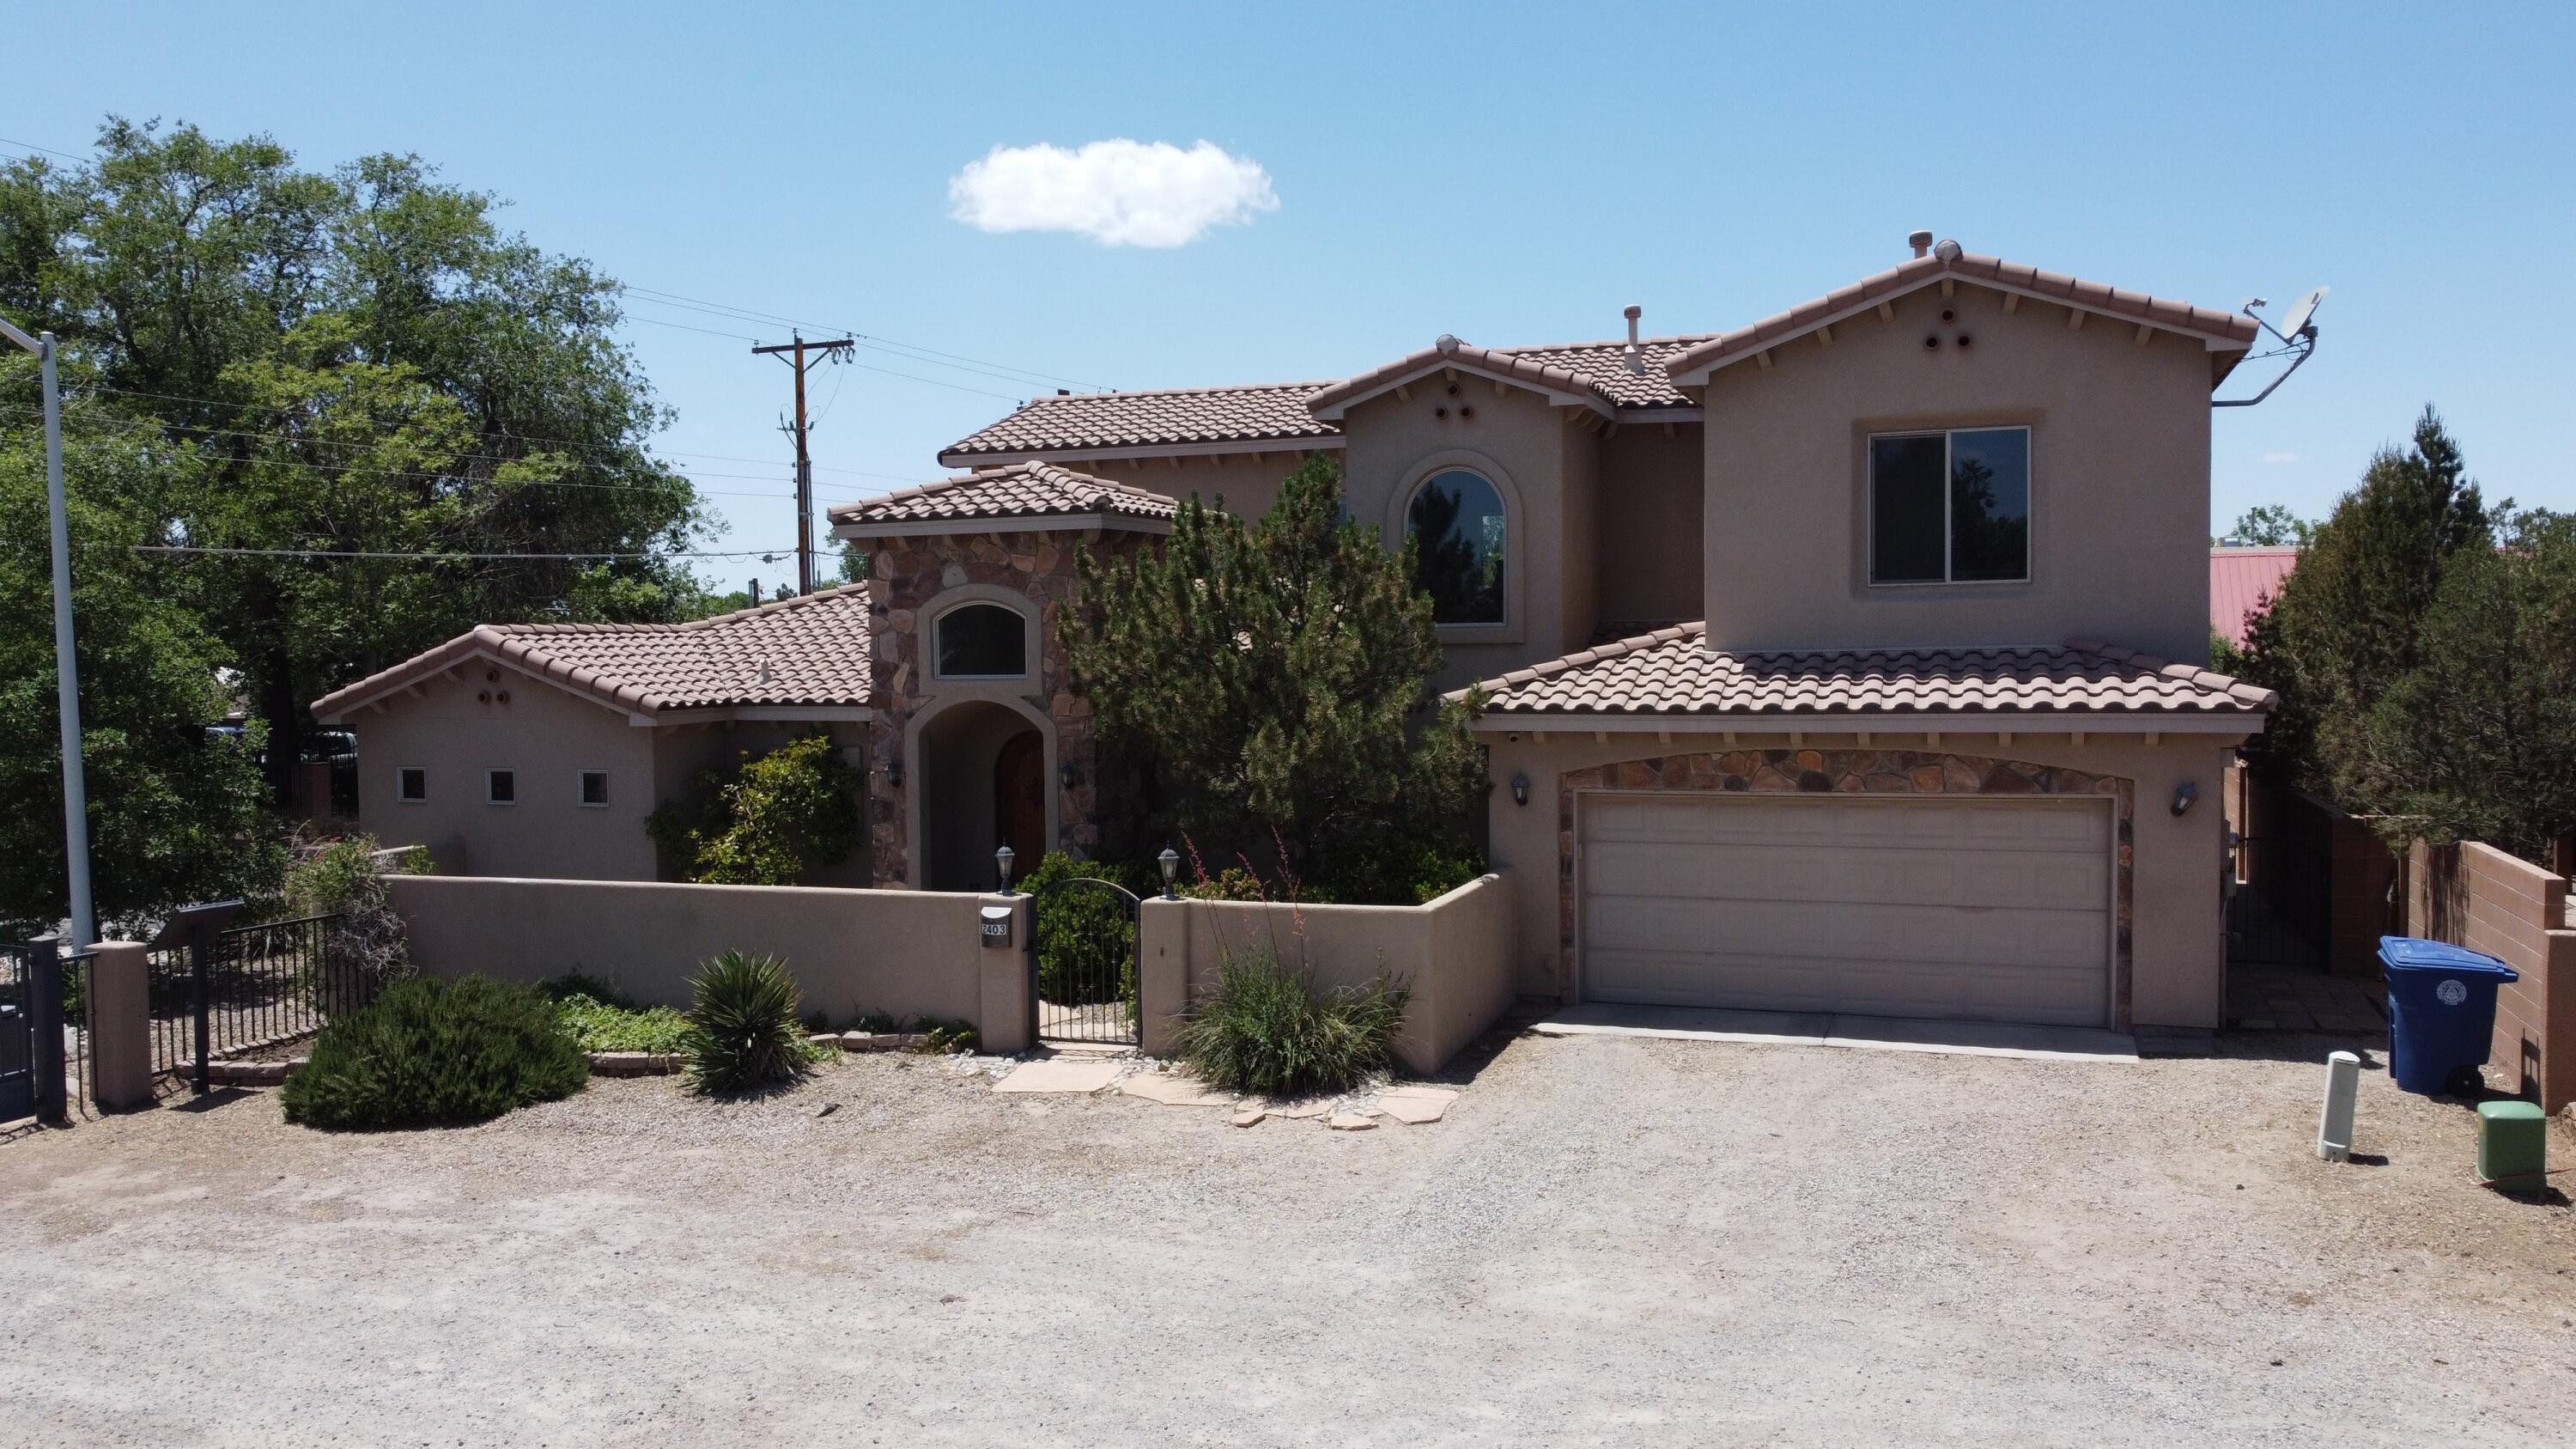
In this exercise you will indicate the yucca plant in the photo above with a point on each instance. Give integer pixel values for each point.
(744, 1031)
(1265, 1029)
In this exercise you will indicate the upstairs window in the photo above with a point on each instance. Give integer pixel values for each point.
(1459, 534)
(1950, 507)
(983, 641)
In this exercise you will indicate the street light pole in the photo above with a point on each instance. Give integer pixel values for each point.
(66, 661)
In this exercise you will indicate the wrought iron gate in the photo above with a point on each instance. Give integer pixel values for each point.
(2278, 915)
(31, 1032)
(1085, 961)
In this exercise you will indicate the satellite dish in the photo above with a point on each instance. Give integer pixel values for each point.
(2301, 311)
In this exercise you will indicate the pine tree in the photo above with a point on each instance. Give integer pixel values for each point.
(1273, 676)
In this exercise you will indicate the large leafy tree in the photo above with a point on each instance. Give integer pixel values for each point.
(2345, 628)
(1272, 676)
(176, 809)
(358, 361)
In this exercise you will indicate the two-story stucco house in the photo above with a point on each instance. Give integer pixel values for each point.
(1851, 660)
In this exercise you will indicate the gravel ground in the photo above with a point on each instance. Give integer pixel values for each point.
(1610, 1240)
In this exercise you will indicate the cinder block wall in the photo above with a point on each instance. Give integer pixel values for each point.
(2477, 896)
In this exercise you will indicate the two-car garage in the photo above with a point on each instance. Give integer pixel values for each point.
(1964, 907)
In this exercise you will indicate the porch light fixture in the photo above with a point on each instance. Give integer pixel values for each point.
(1520, 789)
(2184, 794)
(1170, 861)
(894, 774)
(1002, 862)
(1064, 774)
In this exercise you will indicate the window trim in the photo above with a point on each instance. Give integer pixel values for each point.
(1869, 500)
(489, 775)
(580, 783)
(1512, 628)
(1027, 631)
(402, 770)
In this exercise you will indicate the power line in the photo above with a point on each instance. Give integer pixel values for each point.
(763, 554)
(858, 339)
(749, 314)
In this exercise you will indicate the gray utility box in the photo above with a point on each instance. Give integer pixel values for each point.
(996, 927)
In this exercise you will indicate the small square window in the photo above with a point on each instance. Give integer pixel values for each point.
(594, 788)
(411, 783)
(500, 787)
(1950, 507)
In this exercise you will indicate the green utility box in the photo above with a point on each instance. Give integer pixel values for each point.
(2513, 1146)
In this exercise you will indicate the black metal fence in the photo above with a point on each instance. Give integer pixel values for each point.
(248, 989)
(2280, 913)
(44, 1038)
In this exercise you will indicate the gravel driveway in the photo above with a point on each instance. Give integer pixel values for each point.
(1611, 1240)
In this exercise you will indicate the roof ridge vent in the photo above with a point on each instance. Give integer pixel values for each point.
(1632, 354)
(1921, 241)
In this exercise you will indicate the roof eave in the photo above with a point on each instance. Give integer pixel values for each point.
(855, 529)
(2240, 721)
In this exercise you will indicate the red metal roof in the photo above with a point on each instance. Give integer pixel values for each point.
(2243, 581)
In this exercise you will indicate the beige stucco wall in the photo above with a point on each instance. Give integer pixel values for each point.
(545, 734)
(2119, 481)
(1456, 954)
(911, 953)
(1544, 469)
(2177, 933)
(681, 753)
(1247, 483)
(1647, 545)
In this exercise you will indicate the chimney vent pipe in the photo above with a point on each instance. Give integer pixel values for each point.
(1921, 241)
(1634, 356)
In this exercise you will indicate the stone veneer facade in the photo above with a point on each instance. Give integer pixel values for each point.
(1856, 772)
(905, 576)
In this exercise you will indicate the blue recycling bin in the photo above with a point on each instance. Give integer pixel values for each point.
(2441, 1010)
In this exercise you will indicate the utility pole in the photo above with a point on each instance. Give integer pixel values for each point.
(804, 461)
(66, 660)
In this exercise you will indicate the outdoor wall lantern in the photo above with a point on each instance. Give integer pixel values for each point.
(1002, 862)
(1520, 789)
(894, 774)
(1170, 861)
(2184, 794)
(1064, 774)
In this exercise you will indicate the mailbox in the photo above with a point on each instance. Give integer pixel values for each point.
(996, 928)
(189, 922)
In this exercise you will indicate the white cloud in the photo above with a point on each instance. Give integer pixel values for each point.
(1118, 193)
(2276, 459)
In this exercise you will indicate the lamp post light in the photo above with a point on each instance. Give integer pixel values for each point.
(1170, 861)
(1002, 859)
(66, 662)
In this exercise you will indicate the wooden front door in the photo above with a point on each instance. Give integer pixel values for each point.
(1019, 799)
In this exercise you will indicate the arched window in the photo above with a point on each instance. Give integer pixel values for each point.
(983, 641)
(1457, 525)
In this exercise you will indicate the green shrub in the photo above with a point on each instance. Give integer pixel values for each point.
(743, 1028)
(429, 1053)
(1081, 931)
(1266, 1029)
(606, 1026)
(946, 1037)
(767, 821)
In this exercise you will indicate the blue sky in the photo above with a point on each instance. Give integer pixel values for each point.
(1513, 174)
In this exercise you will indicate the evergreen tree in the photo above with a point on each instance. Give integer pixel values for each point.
(1273, 676)
(2345, 627)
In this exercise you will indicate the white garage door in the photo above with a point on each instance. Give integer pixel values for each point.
(1987, 910)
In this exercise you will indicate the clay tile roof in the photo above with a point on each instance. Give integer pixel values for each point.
(1016, 491)
(1672, 671)
(2225, 327)
(812, 650)
(1450, 352)
(1263, 412)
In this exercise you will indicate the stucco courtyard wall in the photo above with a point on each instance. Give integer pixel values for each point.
(1456, 953)
(911, 953)
(2176, 931)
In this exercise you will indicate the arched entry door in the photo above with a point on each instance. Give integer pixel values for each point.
(1019, 798)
